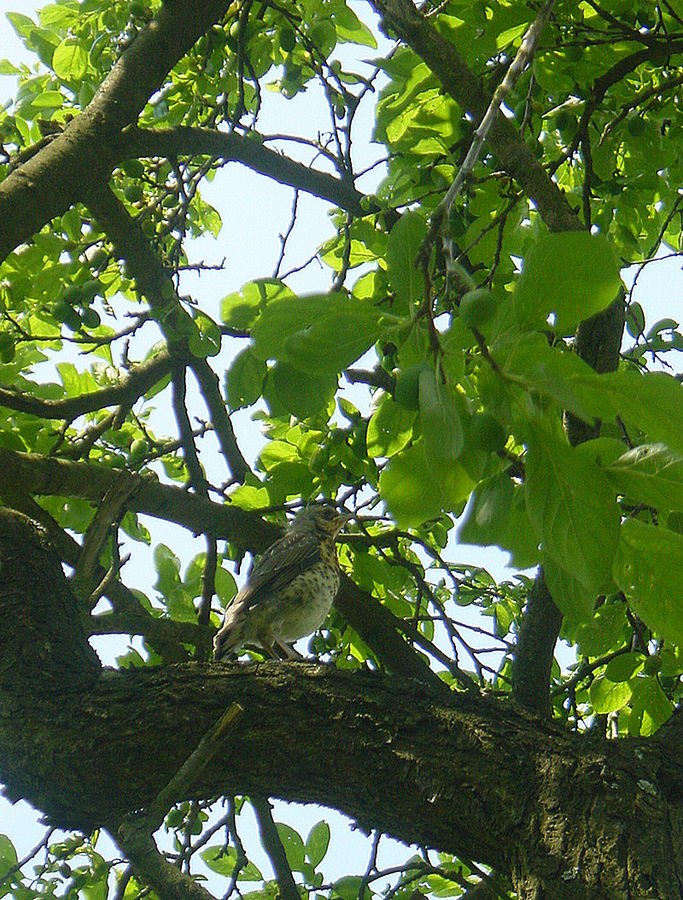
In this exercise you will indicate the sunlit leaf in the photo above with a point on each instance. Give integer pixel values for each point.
(572, 275)
(648, 568)
(573, 508)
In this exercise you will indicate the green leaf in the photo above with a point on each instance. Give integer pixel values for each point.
(408, 489)
(648, 568)
(624, 666)
(70, 61)
(439, 418)
(609, 627)
(205, 339)
(319, 334)
(244, 379)
(531, 361)
(350, 28)
(8, 856)
(317, 842)
(651, 474)
(288, 390)
(334, 341)
(572, 275)
(241, 309)
(573, 508)
(650, 707)
(349, 888)
(652, 402)
(21, 24)
(416, 490)
(226, 587)
(405, 240)
(608, 696)
(49, 100)
(496, 514)
(224, 861)
(293, 844)
(571, 597)
(389, 429)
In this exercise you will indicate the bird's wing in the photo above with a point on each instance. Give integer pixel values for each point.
(288, 557)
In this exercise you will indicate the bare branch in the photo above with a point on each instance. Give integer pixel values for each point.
(231, 146)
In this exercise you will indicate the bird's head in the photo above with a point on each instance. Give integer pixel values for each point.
(326, 519)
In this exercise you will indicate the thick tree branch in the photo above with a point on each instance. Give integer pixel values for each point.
(231, 146)
(138, 381)
(536, 640)
(80, 157)
(403, 759)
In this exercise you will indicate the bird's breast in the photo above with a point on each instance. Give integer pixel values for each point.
(306, 602)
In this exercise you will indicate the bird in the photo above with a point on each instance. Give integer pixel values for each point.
(290, 590)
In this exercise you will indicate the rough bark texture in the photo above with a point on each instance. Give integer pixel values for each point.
(564, 814)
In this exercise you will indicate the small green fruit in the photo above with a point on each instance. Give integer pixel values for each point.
(133, 168)
(287, 40)
(90, 318)
(487, 433)
(7, 348)
(71, 295)
(477, 307)
(61, 310)
(133, 193)
(407, 391)
(90, 289)
(138, 448)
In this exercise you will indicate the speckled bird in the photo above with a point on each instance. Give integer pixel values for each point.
(290, 589)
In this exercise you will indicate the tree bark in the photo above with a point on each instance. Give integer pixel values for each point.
(565, 815)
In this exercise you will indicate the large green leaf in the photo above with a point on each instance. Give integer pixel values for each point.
(650, 707)
(572, 275)
(389, 429)
(240, 310)
(652, 402)
(573, 507)
(647, 568)
(439, 418)
(496, 514)
(529, 360)
(70, 60)
(288, 390)
(317, 842)
(407, 487)
(319, 334)
(416, 488)
(224, 861)
(651, 474)
(571, 597)
(405, 240)
(608, 696)
(244, 379)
